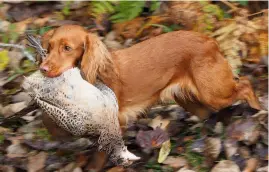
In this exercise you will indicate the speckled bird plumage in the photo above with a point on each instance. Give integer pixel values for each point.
(81, 109)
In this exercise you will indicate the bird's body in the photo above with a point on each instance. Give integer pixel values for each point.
(81, 109)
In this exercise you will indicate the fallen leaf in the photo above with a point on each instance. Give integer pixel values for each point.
(23, 11)
(4, 25)
(21, 97)
(159, 122)
(15, 59)
(230, 147)
(16, 150)
(4, 130)
(3, 11)
(37, 162)
(151, 138)
(263, 169)
(212, 147)
(246, 130)
(116, 169)
(11, 109)
(77, 169)
(41, 21)
(164, 151)
(262, 151)
(42, 144)
(6, 168)
(225, 166)
(251, 165)
(175, 162)
(4, 59)
(69, 167)
(198, 145)
(185, 170)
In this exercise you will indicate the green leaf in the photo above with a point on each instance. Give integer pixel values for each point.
(99, 8)
(44, 29)
(5, 38)
(28, 66)
(165, 28)
(108, 6)
(243, 3)
(154, 5)
(66, 9)
(2, 138)
(165, 150)
(117, 16)
(127, 10)
(12, 34)
(227, 15)
(4, 59)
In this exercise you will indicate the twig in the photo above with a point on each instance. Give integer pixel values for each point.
(22, 48)
(31, 107)
(256, 13)
(233, 7)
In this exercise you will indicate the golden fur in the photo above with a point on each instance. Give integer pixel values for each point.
(183, 65)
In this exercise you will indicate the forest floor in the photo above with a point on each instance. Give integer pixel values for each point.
(167, 138)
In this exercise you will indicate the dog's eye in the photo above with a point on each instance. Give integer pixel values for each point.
(67, 48)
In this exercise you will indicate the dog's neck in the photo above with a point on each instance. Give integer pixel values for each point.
(110, 76)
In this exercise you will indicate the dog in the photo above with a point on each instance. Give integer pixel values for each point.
(183, 66)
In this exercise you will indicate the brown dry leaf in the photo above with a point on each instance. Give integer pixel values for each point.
(15, 57)
(152, 138)
(116, 169)
(175, 162)
(3, 11)
(246, 130)
(151, 20)
(263, 169)
(188, 138)
(185, 13)
(41, 21)
(111, 42)
(4, 130)
(225, 166)
(254, 55)
(251, 165)
(263, 40)
(22, 11)
(231, 147)
(16, 150)
(129, 29)
(4, 26)
(198, 145)
(22, 25)
(37, 162)
(6, 168)
(11, 109)
(159, 122)
(69, 167)
(212, 147)
(241, 39)
(185, 170)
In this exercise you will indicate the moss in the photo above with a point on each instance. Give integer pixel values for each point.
(43, 134)
(2, 138)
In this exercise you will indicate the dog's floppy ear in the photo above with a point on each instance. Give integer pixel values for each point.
(96, 59)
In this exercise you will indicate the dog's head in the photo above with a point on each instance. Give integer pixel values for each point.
(69, 45)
